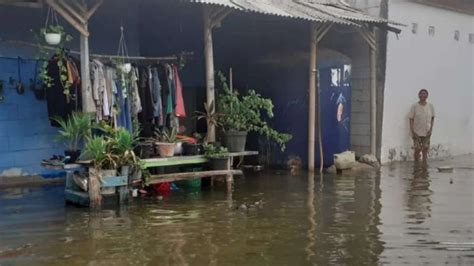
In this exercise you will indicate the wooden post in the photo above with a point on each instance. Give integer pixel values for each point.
(316, 35)
(85, 74)
(312, 97)
(209, 61)
(369, 37)
(229, 177)
(373, 102)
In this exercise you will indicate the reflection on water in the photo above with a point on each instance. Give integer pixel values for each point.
(398, 216)
(426, 218)
(418, 195)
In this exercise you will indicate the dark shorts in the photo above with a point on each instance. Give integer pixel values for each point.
(421, 142)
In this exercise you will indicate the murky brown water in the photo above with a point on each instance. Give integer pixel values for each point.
(402, 216)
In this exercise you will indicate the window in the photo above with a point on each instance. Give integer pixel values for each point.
(414, 28)
(431, 31)
(456, 35)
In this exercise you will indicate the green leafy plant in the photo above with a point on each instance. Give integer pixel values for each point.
(45, 53)
(166, 135)
(123, 145)
(74, 129)
(245, 113)
(210, 115)
(214, 152)
(55, 29)
(99, 151)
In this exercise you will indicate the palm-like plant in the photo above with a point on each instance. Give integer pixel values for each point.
(123, 145)
(99, 150)
(167, 135)
(73, 130)
(210, 115)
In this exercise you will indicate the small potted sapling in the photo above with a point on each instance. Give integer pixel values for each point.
(72, 132)
(218, 156)
(124, 144)
(99, 151)
(166, 141)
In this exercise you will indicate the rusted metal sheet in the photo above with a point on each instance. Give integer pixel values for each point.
(334, 11)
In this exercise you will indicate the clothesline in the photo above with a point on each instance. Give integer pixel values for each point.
(131, 58)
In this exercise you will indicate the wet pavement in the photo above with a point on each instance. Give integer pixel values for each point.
(405, 214)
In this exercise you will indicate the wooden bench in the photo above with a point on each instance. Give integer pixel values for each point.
(189, 160)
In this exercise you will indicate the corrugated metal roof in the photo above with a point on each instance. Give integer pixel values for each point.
(335, 11)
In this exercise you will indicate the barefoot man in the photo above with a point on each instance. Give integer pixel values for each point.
(421, 124)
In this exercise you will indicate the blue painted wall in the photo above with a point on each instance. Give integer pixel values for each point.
(26, 136)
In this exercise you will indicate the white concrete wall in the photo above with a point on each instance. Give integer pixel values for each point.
(438, 63)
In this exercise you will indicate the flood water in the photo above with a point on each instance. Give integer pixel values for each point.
(403, 215)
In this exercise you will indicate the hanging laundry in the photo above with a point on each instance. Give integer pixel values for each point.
(145, 117)
(156, 92)
(136, 102)
(58, 104)
(180, 110)
(124, 118)
(171, 103)
(98, 87)
(108, 94)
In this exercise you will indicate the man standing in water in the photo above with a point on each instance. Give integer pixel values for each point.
(421, 124)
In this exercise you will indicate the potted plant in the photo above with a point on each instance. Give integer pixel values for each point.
(192, 145)
(99, 151)
(218, 156)
(72, 132)
(210, 115)
(52, 34)
(243, 114)
(166, 141)
(123, 147)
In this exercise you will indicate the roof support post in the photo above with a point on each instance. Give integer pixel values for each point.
(317, 32)
(212, 19)
(369, 36)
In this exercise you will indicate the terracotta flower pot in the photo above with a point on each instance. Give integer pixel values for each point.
(165, 149)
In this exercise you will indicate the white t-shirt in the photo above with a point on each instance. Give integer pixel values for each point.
(421, 115)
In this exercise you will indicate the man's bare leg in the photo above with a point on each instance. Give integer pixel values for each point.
(416, 155)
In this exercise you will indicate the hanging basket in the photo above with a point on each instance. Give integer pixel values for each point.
(125, 68)
(52, 38)
(122, 53)
(52, 30)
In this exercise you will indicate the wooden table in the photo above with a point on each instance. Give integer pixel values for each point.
(195, 159)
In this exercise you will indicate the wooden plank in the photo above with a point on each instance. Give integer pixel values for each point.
(182, 160)
(77, 25)
(94, 8)
(79, 6)
(76, 197)
(155, 179)
(243, 153)
(29, 4)
(123, 194)
(114, 181)
(72, 11)
(178, 160)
